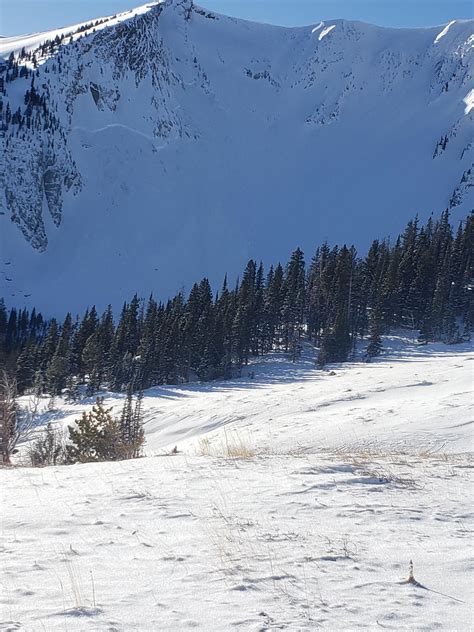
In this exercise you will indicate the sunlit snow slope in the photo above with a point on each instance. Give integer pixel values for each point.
(173, 143)
(351, 473)
(414, 398)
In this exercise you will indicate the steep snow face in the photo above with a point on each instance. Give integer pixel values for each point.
(169, 143)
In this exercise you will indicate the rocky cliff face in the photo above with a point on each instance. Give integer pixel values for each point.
(169, 142)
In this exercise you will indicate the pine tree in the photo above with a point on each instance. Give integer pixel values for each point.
(59, 366)
(224, 318)
(71, 394)
(257, 334)
(336, 340)
(147, 347)
(126, 417)
(273, 307)
(96, 436)
(11, 331)
(294, 301)
(131, 426)
(244, 321)
(26, 368)
(137, 438)
(83, 332)
(374, 347)
(49, 345)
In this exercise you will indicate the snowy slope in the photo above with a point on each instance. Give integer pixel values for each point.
(184, 143)
(31, 41)
(320, 409)
(355, 473)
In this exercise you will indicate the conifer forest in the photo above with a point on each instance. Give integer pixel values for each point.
(422, 281)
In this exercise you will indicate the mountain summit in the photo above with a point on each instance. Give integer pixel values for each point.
(141, 149)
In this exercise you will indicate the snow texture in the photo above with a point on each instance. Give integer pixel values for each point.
(358, 470)
(185, 143)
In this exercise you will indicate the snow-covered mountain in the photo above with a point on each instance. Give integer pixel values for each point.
(168, 143)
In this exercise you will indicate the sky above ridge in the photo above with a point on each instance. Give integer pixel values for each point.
(27, 16)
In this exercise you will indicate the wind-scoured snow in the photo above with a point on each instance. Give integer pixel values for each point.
(176, 128)
(317, 27)
(326, 31)
(444, 31)
(469, 101)
(356, 471)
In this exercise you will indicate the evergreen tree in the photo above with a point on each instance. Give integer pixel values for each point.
(71, 395)
(245, 317)
(374, 347)
(336, 341)
(59, 365)
(294, 302)
(83, 332)
(96, 436)
(273, 307)
(131, 426)
(26, 368)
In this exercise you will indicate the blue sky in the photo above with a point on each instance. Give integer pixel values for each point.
(26, 16)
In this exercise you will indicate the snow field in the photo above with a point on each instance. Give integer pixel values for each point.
(315, 530)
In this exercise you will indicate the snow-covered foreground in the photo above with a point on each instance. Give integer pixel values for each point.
(354, 474)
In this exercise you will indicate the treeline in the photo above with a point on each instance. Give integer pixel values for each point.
(35, 114)
(423, 281)
(17, 64)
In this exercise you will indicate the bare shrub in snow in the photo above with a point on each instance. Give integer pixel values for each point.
(49, 448)
(17, 423)
(232, 446)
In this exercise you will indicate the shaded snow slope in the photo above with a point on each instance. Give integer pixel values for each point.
(179, 143)
(355, 474)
